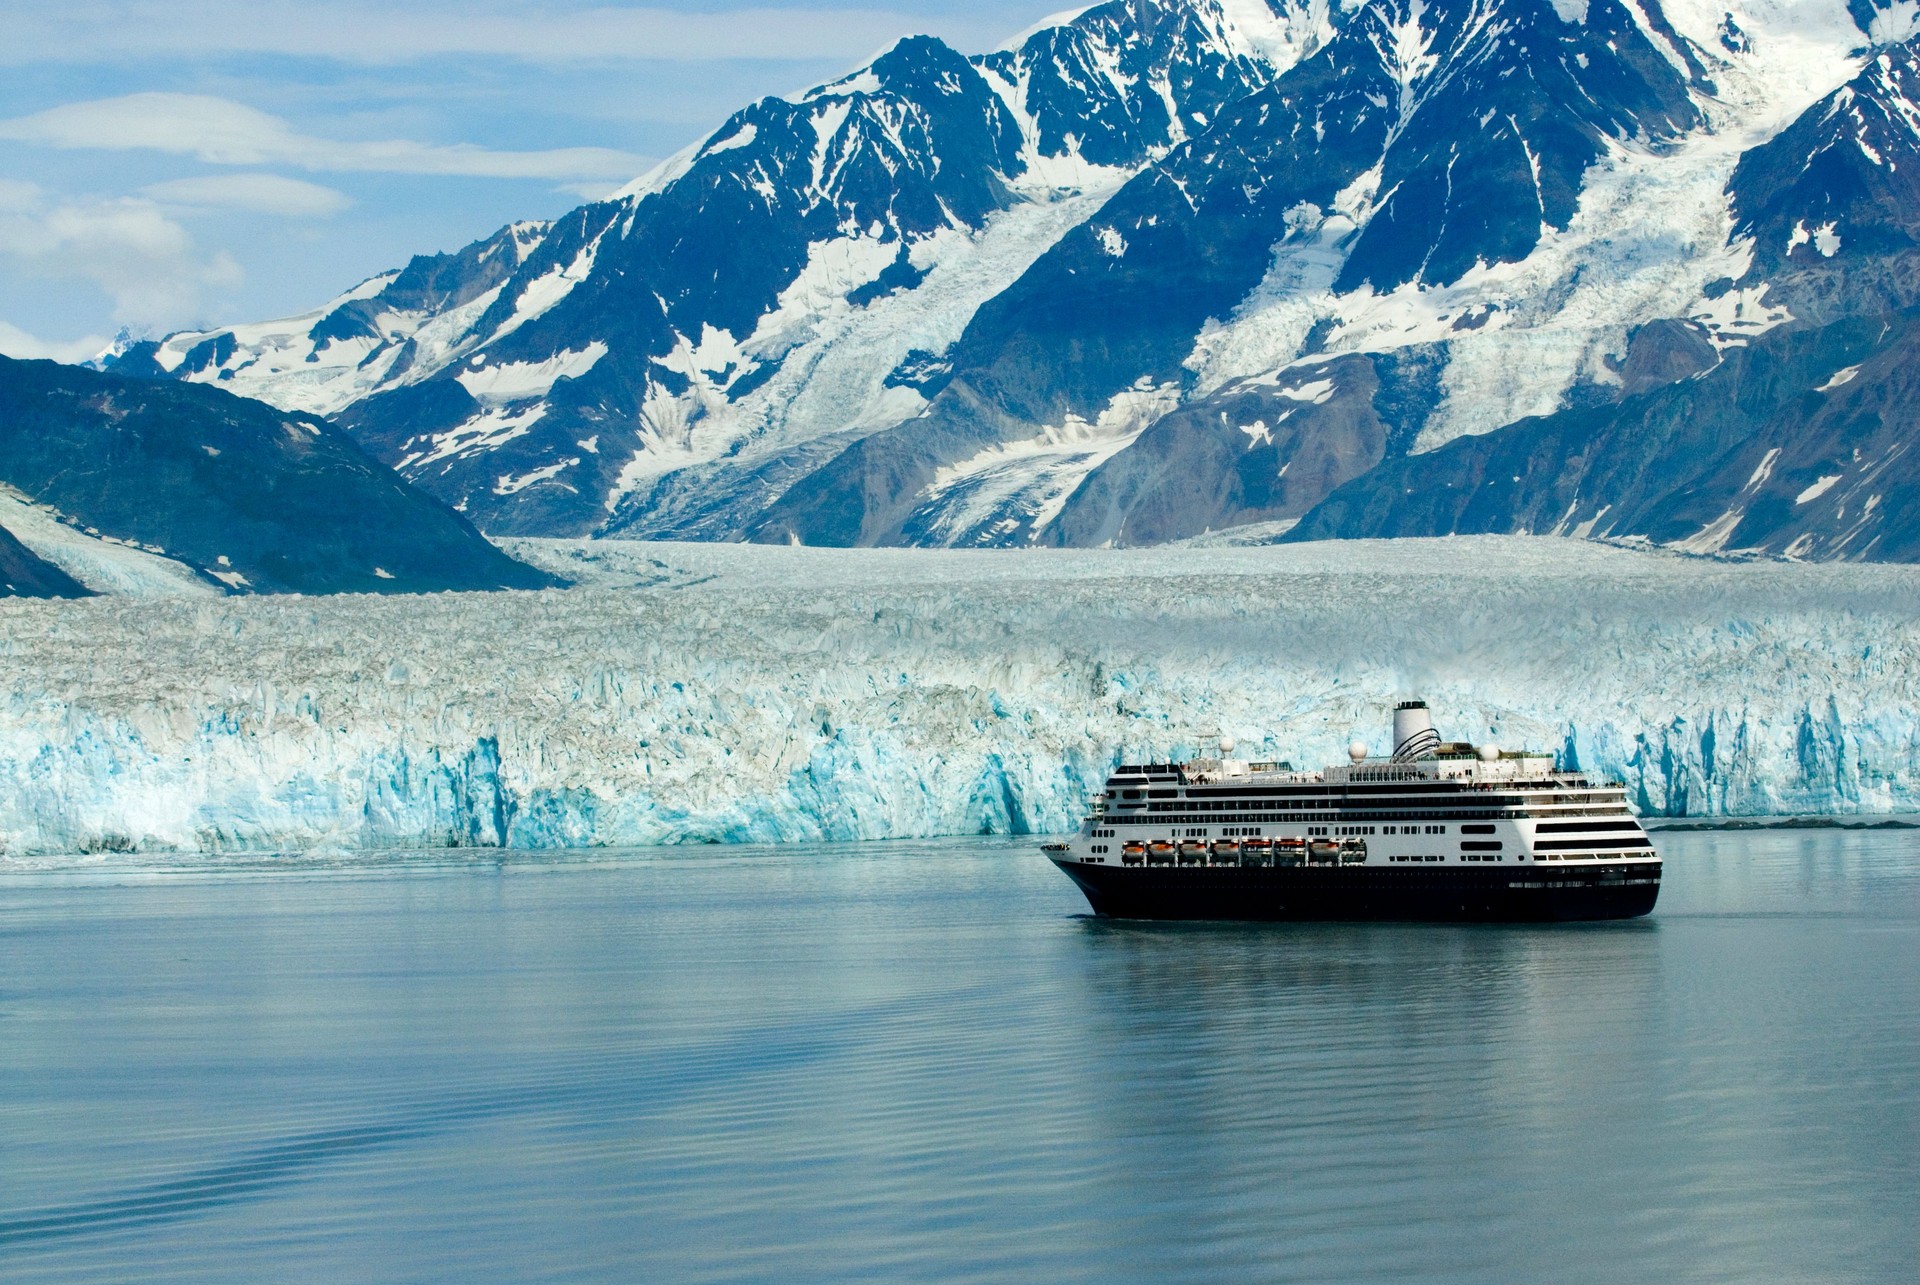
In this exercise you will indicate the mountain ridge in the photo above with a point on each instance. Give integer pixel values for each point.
(1160, 267)
(226, 491)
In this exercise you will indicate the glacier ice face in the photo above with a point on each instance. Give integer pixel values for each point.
(720, 693)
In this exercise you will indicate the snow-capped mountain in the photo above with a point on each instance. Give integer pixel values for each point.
(1796, 442)
(124, 485)
(798, 274)
(1166, 266)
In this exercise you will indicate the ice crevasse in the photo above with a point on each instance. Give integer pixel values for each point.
(690, 693)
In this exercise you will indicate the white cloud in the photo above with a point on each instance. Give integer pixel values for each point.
(256, 193)
(593, 190)
(128, 247)
(366, 33)
(220, 131)
(16, 195)
(15, 342)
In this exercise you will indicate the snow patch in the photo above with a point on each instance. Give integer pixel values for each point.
(483, 432)
(1712, 537)
(508, 484)
(1762, 471)
(1895, 23)
(741, 137)
(1817, 490)
(519, 380)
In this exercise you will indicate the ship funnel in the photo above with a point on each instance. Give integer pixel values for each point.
(1413, 734)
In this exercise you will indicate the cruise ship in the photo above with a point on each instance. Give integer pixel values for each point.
(1439, 830)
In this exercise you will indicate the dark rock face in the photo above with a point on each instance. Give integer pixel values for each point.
(1797, 444)
(23, 574)
(1251, 453)
(255, 497)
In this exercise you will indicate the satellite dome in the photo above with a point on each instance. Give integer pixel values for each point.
(1226, 746)
(1489, 752)
(1357, 751)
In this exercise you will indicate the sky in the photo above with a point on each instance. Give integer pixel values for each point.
(167, 164)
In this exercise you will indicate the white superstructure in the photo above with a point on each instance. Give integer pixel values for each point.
(1431, 803)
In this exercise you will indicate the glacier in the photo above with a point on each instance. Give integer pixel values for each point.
(685, 693)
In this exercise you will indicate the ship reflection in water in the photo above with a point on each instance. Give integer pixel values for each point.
(923, 1060)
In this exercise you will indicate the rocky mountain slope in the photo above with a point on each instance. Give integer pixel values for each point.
(223, 491)
(1167, 266)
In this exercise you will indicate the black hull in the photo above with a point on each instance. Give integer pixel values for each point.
(1512, 894)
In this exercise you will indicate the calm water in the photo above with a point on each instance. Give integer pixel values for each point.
(921, 1060)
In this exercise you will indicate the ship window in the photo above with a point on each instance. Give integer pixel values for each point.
(1476, 829)
(1129, 794)
(1160, 794)
(1471, 845)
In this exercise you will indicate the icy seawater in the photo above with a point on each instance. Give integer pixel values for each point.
(920, 1060)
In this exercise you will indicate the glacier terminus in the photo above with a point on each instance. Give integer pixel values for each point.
(727, 693)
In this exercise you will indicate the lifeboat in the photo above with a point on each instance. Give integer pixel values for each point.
(1323, 852)
(1226, 852)
(1353, 852)
(1160, 852)
(1192, 851)
(1133, 852)
(1256, 852)
(1289, 852)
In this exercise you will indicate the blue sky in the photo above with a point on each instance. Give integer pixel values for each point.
(169, 163)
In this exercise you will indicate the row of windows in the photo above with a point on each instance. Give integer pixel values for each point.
(1583, 827)
(1611, 840)
(1298, 818)
(1419, 856)
(1283, 820)
(1477, 808)
(1396, 829)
